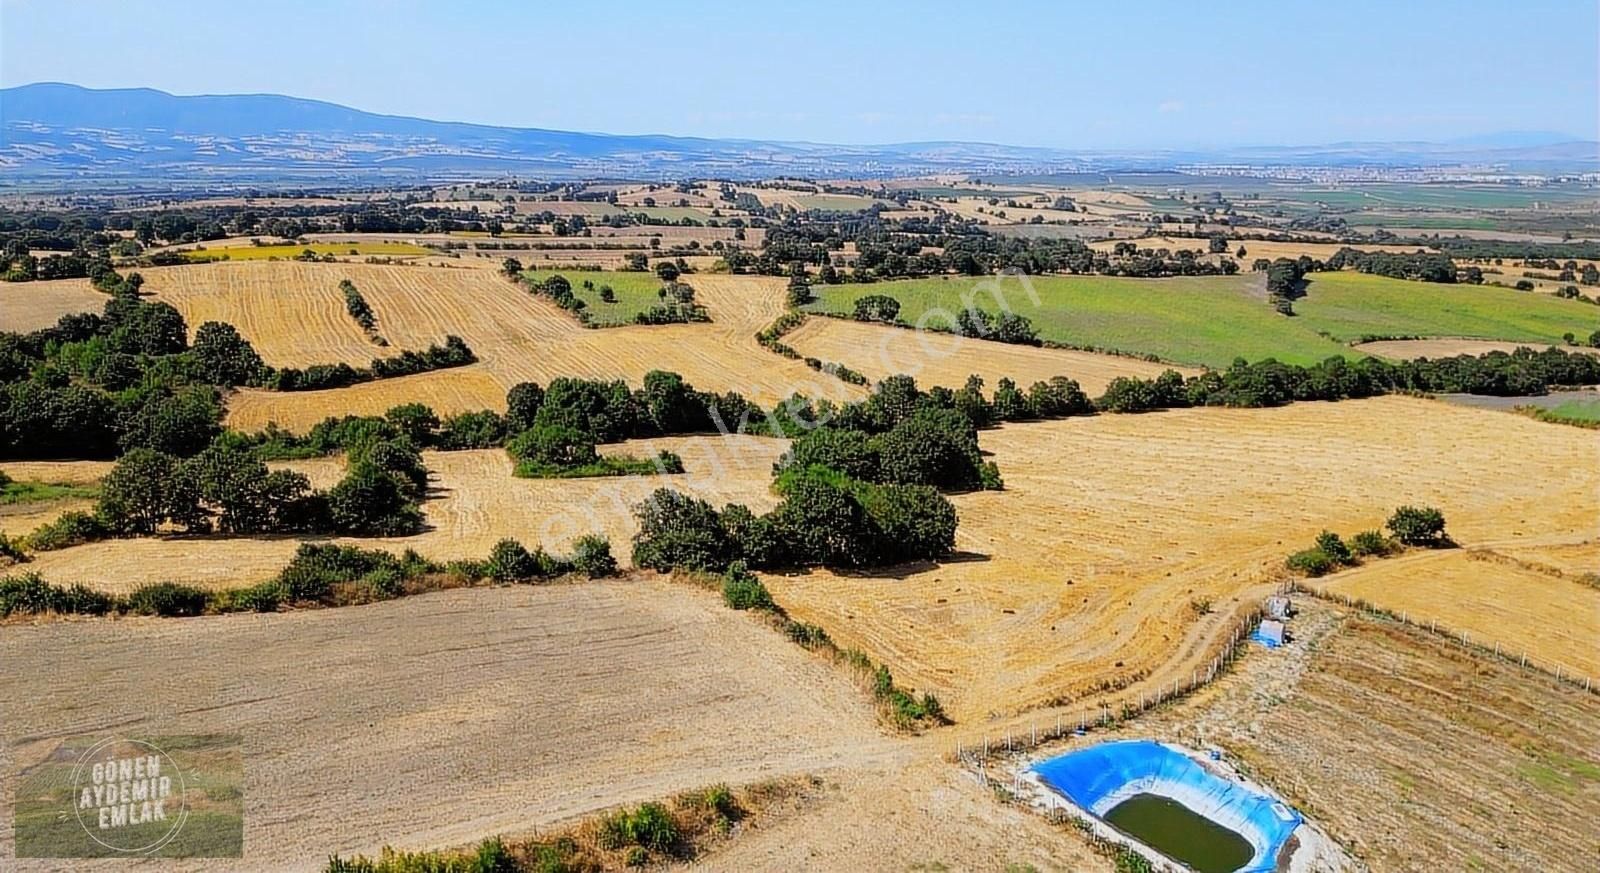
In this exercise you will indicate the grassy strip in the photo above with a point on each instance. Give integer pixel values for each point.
(18, 492)
(677, 830)
(1207, 320)
(1578, 413)
(899, 707)
(294, 251)
(664, 463)
(318, 576)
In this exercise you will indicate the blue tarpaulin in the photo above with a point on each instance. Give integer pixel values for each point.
(1099, 778)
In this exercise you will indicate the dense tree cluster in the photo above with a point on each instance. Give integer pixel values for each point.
(1270, 383)
(1416, 266)
(825, 517)
(454, 353)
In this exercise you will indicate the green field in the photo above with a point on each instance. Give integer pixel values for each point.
(1203, 320)
(1350, 305)
(261, 253)
(1212, 320)
(22, 491)
(635, 292)
(1576, 410)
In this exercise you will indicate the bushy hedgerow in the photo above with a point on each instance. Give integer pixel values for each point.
(1270, 383)
(825, 517)
(167, 599)
(1311, 562)
(1370, 544)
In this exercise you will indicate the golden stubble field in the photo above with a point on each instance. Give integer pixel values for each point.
(1521, 605)
(439, 719)
(1087, 568)
(294, 315)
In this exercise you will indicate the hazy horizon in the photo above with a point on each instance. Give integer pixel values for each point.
(1069, 77)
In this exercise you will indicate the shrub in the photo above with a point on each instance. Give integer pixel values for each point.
(264, 597)
(1418, 526)
(591, 556)
(30, 594)
(650, 826)
(1329, 544)
(1311, 562)
(167, 599)
(1370, 543)
(11, 550)
(69, 529)
(742, 590)
(810, 636)
(668, 462)
(510, 562)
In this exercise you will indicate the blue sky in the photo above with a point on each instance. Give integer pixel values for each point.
(1073, 75)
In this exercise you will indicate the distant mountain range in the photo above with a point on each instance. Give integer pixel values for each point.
(66, 133)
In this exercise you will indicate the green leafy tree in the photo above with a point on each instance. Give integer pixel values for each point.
(147, 489)
(1418, 526)
(226, 357)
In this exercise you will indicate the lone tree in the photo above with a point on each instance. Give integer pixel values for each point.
(877, 307)
(1418, 526)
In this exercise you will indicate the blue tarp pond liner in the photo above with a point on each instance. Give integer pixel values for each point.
(1101, 777)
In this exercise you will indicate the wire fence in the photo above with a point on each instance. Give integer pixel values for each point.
(1512, 653)
(1108, 711)
(1112, 710)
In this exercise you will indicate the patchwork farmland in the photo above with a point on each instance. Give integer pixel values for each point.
(463, 573)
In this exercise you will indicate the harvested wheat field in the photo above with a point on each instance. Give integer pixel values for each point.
(1113, 531)
(438, 719)
(474, 501)
(1553, 619)
(294, 315)
(1568, 559)
(936, 358)
(1413, 754)
(26, 306)
(921, 815)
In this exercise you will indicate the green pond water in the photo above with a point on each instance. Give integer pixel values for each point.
(1178, 832)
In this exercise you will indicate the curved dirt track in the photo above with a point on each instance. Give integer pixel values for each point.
(1084, 569)
(439, 719)
(474, 501)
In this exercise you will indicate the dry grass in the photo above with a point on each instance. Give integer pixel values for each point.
(474, 501)
(1082, 571)
(945, 359)
(439, 719)
(1553, 619)
(26, 306)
